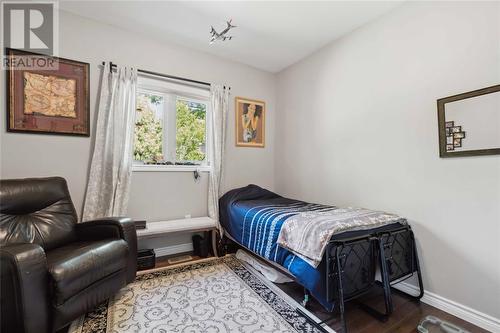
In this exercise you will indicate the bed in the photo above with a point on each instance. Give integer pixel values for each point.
(253, 217)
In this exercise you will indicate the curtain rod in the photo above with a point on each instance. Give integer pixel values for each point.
(111, 65)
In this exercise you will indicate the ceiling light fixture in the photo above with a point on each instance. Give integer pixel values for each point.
(222, 36)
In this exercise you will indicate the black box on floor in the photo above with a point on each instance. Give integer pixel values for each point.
(146, 259)
(200, 246)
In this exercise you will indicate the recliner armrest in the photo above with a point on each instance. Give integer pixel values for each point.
(24, 289)
(114, 228)
(107, 227)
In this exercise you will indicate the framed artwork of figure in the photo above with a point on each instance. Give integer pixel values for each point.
(250, 122)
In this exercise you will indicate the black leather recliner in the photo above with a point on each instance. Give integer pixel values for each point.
(52, 268)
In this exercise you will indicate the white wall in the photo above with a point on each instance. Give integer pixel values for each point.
(357, 125)
(155, 196)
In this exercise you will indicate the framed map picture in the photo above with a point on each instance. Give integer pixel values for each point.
(250, 122)
(48, 100)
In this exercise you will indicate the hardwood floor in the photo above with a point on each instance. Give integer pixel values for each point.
(405, 318)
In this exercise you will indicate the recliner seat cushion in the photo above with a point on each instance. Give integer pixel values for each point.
(76, 266)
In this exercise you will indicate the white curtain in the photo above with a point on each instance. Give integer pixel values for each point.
(110, 170)
(219, 98)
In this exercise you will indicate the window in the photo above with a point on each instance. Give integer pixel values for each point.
(170, 126)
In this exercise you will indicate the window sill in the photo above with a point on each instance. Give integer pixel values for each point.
(170, 168)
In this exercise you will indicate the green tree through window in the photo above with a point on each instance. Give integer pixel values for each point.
(148, 129)
(149, 134)
(190, 136)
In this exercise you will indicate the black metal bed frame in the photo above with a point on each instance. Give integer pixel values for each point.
(351, 267)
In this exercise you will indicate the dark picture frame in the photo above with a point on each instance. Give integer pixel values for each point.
(446, 127)
(22, 121)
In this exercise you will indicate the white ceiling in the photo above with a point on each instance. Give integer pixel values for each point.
(271, 35)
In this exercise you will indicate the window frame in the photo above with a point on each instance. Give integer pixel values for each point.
(153, 85)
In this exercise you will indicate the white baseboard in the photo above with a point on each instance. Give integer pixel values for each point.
(174, 249)
(461, 311)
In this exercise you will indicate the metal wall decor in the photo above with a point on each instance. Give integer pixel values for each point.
(454, 136)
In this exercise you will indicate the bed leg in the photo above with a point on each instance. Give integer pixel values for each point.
(341, 292)
(417, 266)
(382, 316)
(417, 269)
(305, 301)
(385, 280)
(337, 271)
(220, 245)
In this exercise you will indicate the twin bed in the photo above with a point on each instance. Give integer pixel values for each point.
(303, 239)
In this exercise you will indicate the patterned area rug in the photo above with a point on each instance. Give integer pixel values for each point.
(215, 296)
